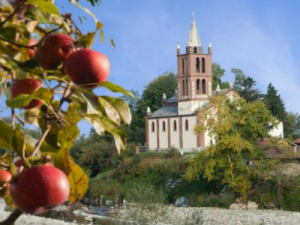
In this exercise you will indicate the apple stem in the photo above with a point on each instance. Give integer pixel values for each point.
(11, 219)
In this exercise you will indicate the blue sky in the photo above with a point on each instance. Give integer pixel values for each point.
(259, 37)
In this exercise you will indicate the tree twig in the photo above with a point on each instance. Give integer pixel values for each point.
(20, 120)
(39, 143)
(20, 6)
(11, 219)
(31, 46)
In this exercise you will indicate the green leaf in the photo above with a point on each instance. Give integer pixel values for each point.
(6, 158)
(43, 94)
(45, 6)
(102, 36)
(67, 135)
(122, 108)
(6, 136)
(92, 119)
(86, 10)
(87, 40)
(18, 142)
(78, 181)
(102, 106)
(61, 160)
(102, 124)
(112, 42)
(99, 25)
(115, 88)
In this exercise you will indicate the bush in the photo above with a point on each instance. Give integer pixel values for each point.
(213, 200)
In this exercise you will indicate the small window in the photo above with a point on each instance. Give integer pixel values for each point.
(182, 65)
(195, 49)
(203, 65)
(203, 87)
(186, 87)
(163, 126)
(183, 88)
(197, 65)
(174, 125)
(186, 125)
(186, 65)
(153, 127)
(198, 86)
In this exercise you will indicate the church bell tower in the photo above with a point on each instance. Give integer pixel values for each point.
(194, 73)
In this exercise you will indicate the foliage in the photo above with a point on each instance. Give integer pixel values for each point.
(217, 74)
(214, 200)
(245, 86)
(236, 130)
(274, 103)
(270, 194)
(292, 126)
(63, 103)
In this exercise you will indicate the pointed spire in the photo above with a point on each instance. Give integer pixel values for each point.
(178, 46)
(194, 39)
(209, 45)
(148, 111)
(164, 97)
(218, 89)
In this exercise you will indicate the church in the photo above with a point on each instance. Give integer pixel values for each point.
(173, 124)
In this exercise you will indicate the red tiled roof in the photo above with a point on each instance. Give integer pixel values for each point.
(297, 141)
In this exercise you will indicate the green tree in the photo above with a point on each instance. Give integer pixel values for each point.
(275, 103)
(245, 86)
(153, 92)
(236, 131)
(152, 97)
(292, 126)
(217, 74)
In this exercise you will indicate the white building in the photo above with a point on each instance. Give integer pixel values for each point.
(173, 124)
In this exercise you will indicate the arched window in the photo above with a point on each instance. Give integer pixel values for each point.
(153, 127)
(198, 86)
(163, 126)
(174, 126)
(183, 88)
(203, 65)
(195, 49)
(203, 87)
(182, 65)
(186, 125)
(186, 87)
(197, 65)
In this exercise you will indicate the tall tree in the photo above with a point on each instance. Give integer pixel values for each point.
(217, 74)
(292, 126)
(246, 86)
(152, 97)
(236, 131)
(274, 103)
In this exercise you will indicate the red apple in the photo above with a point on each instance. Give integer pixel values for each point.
(5, 177)
(39, 189)
(19, 163)
(26, 86)
(31, 52)
(55, 49)
(87, 67)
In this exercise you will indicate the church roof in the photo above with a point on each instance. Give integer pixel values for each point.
(194, 39)
(165, 111)
(172, 99)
